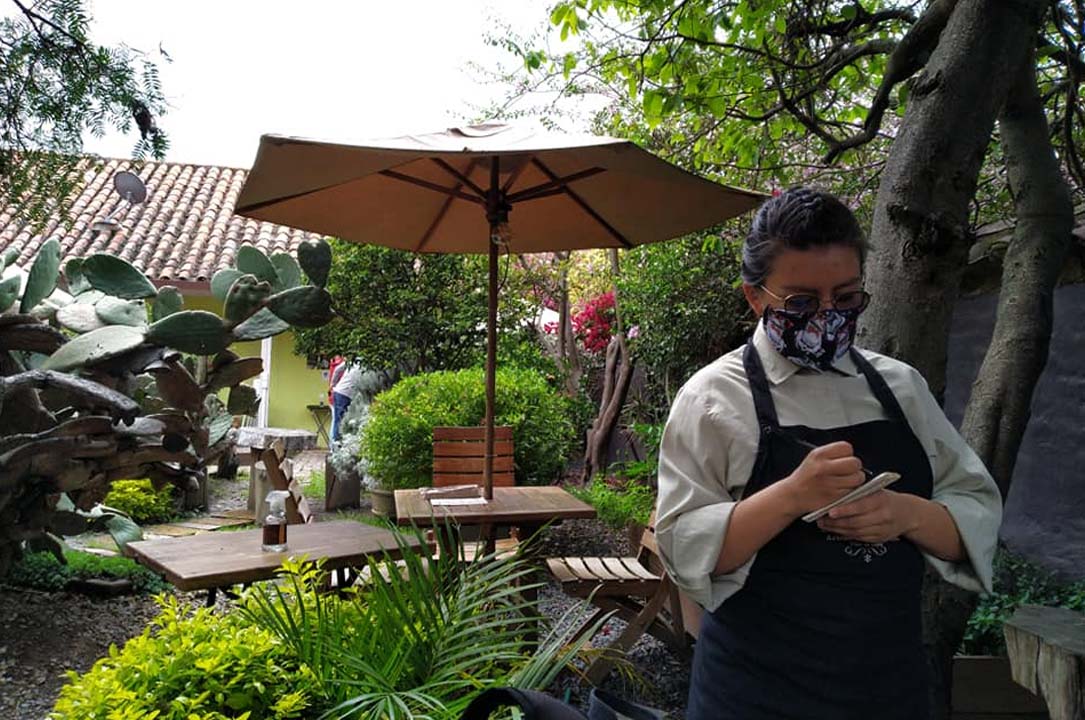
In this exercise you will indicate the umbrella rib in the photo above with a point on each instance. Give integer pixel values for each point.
(432, 186)
(580, 201)
(436, 221)
(550, 188)
(513, 177)
(464, 180)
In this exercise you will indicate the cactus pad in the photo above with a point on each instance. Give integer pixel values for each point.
(307, 306)
(117, 277)
(253, 262)
(222, 281)
(42, 279)
(315, 257)
(9, 292)
(166, 302)
(94, 346)
(246, 296)
(192, 331)
(114, 311)
(262, 325)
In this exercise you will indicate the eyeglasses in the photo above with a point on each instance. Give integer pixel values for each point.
(808, 304)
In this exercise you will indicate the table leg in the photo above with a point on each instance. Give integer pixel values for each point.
(212, 596)
(531, 594)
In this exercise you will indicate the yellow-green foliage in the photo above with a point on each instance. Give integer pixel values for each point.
(191, 664)
(138, 499)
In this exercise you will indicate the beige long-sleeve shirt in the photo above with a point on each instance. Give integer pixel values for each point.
(710, 443)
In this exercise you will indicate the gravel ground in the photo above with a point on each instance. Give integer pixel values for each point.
(47, 634)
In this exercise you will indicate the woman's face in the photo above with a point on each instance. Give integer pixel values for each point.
(825, 271)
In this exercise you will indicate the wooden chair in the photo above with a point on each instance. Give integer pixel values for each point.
(459, 455)
(279, 476)
(636, 589)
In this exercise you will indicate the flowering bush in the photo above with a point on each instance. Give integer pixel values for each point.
(592, 324)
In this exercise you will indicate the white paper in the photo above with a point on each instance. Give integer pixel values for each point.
(881, 482)
(438, 502)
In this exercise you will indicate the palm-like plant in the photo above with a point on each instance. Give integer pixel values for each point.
(420, 639)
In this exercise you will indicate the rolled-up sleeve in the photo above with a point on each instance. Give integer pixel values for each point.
(694, 505)
(964, 487)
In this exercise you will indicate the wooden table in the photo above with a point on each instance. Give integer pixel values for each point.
(322, 415)
(524, 507)
(527, 508)
(209, 561)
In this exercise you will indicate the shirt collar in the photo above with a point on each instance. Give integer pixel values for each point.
(778, 368)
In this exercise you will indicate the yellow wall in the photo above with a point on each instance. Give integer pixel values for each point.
(293, 384)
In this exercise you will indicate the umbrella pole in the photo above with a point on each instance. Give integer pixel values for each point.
(494, 213)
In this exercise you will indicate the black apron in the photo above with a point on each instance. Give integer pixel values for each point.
(824, 628)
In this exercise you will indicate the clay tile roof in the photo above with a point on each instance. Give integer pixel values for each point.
(184, 232)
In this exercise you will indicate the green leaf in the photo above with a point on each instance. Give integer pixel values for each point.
(9, 257)
(116, 277)
(43, 276)
(253, 262)
(287, 270)
(653, 104)
(849, 12)
(9, 292)
(222, 281)
(780, 24)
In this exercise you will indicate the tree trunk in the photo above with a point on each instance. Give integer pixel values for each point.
(1000, 405)
(617, 374)
(568, 353)
(921, 232)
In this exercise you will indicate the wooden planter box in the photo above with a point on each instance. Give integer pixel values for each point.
(984, 690)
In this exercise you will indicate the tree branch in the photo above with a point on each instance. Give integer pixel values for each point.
(841, 28)
(908, 57)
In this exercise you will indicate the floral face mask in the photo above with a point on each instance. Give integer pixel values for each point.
(812, 341)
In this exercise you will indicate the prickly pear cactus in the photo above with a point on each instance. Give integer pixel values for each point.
(100, 383)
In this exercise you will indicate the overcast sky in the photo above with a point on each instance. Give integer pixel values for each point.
(321, 68)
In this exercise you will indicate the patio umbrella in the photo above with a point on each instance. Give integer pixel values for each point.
(454, 192)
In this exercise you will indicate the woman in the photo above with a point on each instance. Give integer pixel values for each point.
(814, 620)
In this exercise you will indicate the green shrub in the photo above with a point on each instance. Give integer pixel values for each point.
(190, 664)
(43, 571)
(398, 440)
(139, 500)
(1017, 582)
(618, 502)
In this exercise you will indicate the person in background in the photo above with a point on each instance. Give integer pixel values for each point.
(814, 620)
(333, 365)
(345, 381)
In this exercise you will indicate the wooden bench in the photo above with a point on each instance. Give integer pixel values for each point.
(646, 598)
(1046, 646)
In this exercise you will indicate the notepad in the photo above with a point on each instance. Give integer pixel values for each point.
(440, 502)
(451, 491)
(882, 481)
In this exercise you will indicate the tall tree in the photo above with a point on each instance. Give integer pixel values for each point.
(56, 84)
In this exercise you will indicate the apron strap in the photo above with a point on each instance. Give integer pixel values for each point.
(759, 385)
(880, 387)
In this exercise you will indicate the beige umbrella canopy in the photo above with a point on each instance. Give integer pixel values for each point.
(484, 189)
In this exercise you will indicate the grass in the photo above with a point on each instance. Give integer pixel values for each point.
(314, 487)
(365, 517)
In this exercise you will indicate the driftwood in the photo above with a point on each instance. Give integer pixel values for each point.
(1047, 656)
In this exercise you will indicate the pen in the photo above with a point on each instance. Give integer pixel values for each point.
(811, 446)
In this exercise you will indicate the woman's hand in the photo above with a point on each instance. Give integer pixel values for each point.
(827, 474)
(877, 518)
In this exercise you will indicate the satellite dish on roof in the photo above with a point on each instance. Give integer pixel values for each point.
(130, 187)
